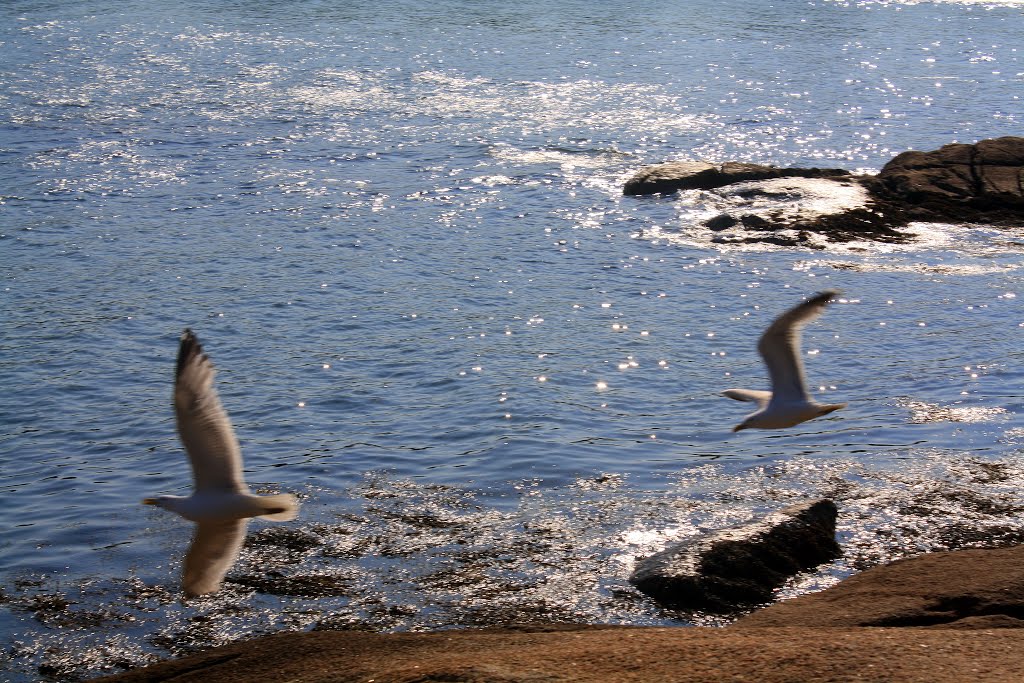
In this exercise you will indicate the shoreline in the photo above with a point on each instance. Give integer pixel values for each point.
(619, 654)
(949, 616)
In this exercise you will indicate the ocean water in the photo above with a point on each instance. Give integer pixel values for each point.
(492, 380)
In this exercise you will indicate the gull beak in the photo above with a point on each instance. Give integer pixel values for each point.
(738, 428)
(149, 501)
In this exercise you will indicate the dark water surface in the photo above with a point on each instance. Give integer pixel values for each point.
(398, 229)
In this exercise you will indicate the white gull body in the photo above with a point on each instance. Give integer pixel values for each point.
(788, 403)
(221, 503)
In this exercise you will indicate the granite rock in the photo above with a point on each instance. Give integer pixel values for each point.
(810, 639)
(959, 589)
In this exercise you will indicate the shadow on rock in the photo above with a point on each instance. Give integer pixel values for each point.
(740, 567)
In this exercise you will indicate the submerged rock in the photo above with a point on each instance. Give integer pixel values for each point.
(741, 566)
(311, 586)
(787, 210)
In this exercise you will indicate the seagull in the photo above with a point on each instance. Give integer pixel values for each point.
(788, 403)
(220, 504)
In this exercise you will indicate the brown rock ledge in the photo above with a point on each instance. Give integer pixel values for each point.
(616, 655)
(960, 589)
(977, 593)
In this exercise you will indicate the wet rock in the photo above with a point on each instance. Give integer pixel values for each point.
(314, 586)
(698, 175)
(751, 221)
(958, 589)
(741, 566)
(969, 601)
(289, 538)
(795, 210)
(722, 221)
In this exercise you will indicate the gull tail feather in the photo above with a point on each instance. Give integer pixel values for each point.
(282, 507)
(831, 407)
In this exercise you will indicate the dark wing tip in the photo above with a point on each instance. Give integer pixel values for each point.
(189, 349)
(787, 326)
(821, 299)
(824, 296)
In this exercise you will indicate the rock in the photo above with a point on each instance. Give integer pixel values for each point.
(981, 182)
(809, 638)
(722, 221)
(784, 206)
(958, 589)
(958, 183)
(742, 566)
(698, 175)
(599, 654)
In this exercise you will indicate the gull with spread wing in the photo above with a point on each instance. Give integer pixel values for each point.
(220, 504)
(788, 403)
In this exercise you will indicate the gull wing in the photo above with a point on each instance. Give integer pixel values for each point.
(215, 547)
(780, 347)
(203, 424)
(761, 398)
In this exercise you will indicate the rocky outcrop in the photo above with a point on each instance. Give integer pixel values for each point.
(698, 175)
(791, 210)
(959, 589)
(958, 183)
(741, 566)
(844, 634)
(979, 182)
(600, 655)
(810, 638)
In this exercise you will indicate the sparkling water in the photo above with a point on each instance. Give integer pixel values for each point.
(398, 229)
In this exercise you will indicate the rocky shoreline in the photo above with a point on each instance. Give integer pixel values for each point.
(957, 183)
(940, 617)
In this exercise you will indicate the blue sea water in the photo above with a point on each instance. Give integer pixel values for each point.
(493, 380)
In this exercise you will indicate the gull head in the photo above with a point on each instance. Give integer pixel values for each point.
(199, 508)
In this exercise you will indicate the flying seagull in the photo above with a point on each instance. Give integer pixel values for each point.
(788, 403)
(220, 504)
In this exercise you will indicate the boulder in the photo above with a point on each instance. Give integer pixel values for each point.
(983, 181)
(740, 567)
